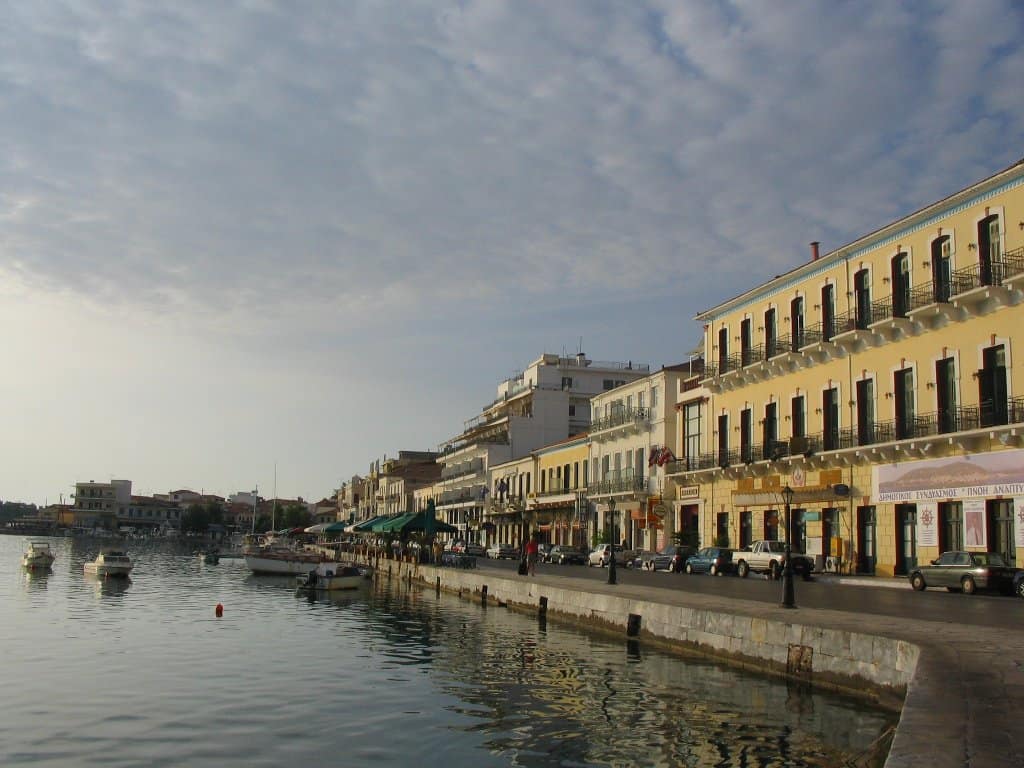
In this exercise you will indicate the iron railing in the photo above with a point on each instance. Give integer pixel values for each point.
(620, 416)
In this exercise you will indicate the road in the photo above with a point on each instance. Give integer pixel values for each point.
(901, 604)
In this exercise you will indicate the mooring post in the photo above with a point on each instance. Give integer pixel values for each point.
(542, 608)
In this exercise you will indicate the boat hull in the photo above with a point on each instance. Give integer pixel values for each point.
(37, 562)
(108, 571)
(280, 565)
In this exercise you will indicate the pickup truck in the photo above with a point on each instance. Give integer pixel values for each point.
(769, 557)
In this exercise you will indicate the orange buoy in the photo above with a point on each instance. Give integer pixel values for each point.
(220, 610)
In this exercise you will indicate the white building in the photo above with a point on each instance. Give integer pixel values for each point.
(632, 439)
(547, 402)
(99, 505)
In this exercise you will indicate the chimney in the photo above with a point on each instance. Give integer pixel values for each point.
(814, 250)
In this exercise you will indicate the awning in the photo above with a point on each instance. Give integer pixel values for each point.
(366, 526)
(337, 527)
(318, 528)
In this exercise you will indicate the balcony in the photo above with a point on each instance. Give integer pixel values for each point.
(620, 421)
(613, 485)
(894, 435)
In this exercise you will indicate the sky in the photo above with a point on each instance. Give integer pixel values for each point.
(260, 244)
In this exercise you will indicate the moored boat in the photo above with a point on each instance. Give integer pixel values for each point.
(331, 576)
(38, 556)
(110, 563)
(271, 556)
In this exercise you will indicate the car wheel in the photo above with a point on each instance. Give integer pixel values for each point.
(1020, 588)
(742, 569)
(917, 582)
(713, 570)
(689, 569)
(968, 585)
(773, 570)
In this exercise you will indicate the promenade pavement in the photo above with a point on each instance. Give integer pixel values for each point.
(965, 705)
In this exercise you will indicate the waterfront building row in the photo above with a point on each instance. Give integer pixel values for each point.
(875, 380)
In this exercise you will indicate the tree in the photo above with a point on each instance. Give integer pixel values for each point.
(296, 516)
(195, 519)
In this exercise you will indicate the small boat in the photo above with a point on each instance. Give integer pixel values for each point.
(210, 556)
(328, 577)
(38, 556)
(110, 563)
(268, 555)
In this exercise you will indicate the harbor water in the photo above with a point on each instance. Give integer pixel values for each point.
(143, 673)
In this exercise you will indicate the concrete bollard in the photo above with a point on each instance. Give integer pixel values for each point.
(633, 625)
(542, 608)
(483, 595)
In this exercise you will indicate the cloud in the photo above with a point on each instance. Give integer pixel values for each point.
(323, 172)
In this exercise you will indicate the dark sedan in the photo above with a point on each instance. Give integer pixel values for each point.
(565, 555)
(965, 572)
(671, 558)
(713, 560)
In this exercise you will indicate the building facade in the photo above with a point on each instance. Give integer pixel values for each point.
(877, 382)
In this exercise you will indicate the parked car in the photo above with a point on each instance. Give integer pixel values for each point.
(564, 555)
(502, 551)
(713, 560)
(639, 557)
(454, 545)
(601, 554)
(670, 558)
(472, 548)
(542, 552)
(1018, 584)
(966, 572)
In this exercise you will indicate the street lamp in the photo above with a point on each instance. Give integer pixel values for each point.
(788, 598)
(611, 551)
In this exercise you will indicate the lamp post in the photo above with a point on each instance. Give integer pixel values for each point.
(611, 551)
(788, 598)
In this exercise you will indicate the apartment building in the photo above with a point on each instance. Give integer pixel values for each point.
(547, 402)
(100, 505)
(632, 440)
(877, 381)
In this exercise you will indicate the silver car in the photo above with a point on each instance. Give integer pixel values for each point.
(965, 572)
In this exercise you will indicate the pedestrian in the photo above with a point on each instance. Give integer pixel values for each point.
(532, 548)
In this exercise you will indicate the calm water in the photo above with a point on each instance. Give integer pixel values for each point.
(144, 674)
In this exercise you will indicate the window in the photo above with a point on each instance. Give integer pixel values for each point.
(572, 410)
(746, 352)
(989, 250)
(945, 394)
(691, 439)
(769, 334)
(586, 468)
(770, 433)
(905, 413)
(608, 384)
(640, 400)
(992, 387)
(746, 432)
(942, 269)
(654, 397)
(567, 382)
(771, 525)
(796, 322)
(797, 416)
(830, 419)
(862, 299)
(723, 440)
(723, 349)
(866, 412)
(900, 278)
(575, 474)
(746, 529)
(951, 526)
(828, 312)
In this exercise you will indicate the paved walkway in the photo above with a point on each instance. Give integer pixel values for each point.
(965, 706)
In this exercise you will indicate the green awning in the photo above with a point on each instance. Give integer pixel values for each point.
(395, 524)
(367, 525)
(338, 527)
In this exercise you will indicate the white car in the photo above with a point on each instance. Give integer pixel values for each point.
(600, 554)
(501, 551)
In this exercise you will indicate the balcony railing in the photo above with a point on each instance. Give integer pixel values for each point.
(619, 485)
(620, 417)
(559, 491)
(916, 427)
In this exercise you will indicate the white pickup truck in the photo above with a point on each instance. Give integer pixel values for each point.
(769, 557)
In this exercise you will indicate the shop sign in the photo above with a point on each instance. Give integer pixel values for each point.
(688, 492)
(1018, 528)
(975, 535)
(986, 474)
(927, 524)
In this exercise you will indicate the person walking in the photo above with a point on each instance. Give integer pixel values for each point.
(532, 548)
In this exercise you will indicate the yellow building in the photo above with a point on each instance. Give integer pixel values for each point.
(558, 510)
(876, 381)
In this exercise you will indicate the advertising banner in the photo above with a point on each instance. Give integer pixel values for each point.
(1018, 521)
(927, 524)
(975, 536)
(987, 474)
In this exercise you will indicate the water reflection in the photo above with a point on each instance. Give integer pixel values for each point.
(385, 676)
(36, 579)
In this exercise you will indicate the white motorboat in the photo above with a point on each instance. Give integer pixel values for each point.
(328, 577)
(271, 556)
(110, 563)
(38, 556)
